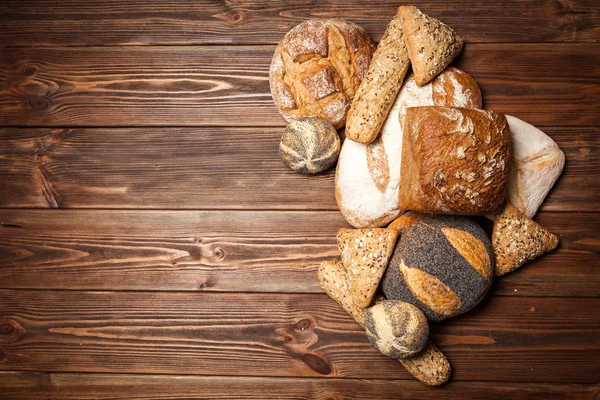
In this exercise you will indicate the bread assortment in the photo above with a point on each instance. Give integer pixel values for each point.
(309, 145)
(317, 68)
(454, 161)
(421, 154)
(367, 179)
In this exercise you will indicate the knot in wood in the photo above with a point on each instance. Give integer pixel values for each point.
(304, 324)
(317, 363)
(219, 253)
(39, 103)
(10, 331)
(235, 17)
(6, 328)
(29, 71)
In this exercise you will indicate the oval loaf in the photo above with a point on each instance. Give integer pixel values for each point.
(368, 176)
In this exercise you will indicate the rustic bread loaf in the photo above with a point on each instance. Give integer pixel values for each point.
(397, 329)
(368, 176)
(454, 161)
(516, 239)
(431, 44)
(317, 68)
(380, 86)
(309, 145)
(365, 255)
(442, 264)
(536, 164)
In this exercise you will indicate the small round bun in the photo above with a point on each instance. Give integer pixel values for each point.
(317, 68)
(309, 145)
(442, 264)
(397, 329)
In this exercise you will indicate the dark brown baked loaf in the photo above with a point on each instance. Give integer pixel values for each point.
(317, 68)
(454, 161)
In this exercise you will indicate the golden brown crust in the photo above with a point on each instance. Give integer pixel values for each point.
(431, 44)
(516, 239)
(379, 88)
(454, 161)
(365, 255)
(455, 86)
(430, 366)
(430, 291)
(334, 281)
(405, 220)
(317, 68)
(471, 249)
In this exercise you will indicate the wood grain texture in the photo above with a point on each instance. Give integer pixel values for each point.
(546, 85)
(217, 168)
(235, 251)
(250, 22)
(64, 386)
(505, 339)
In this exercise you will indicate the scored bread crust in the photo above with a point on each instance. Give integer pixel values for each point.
(454, 161)
(317, 68)
(367, 176)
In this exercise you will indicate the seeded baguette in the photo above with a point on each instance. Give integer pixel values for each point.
(379, 87)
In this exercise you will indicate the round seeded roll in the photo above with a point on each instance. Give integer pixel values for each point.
(442, 264)
(309, 145)
(317, 68)
(397, 329)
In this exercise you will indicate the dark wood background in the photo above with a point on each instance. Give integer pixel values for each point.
(153, 245)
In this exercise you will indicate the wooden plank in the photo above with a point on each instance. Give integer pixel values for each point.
(507, 339)
(192, 168)
(549, 85)
(36, 385)
(76, 22)
(234, 251)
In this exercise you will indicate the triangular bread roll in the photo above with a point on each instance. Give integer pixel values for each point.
(365, 254)
(431, 44)
(334, 281)
(517, 239)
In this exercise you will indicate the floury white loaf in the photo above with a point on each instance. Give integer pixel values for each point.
(536, 164)
(368, 176)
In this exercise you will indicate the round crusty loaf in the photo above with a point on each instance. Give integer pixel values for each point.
(317, 68)
(442, 264)
(397, 329)
(309, 145)
(368, 176)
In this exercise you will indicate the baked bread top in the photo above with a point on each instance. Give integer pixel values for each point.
(454, 161)
(317, 68)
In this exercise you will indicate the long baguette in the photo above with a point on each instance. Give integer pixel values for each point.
(380, 86)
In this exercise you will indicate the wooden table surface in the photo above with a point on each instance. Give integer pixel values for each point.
(153, 245)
